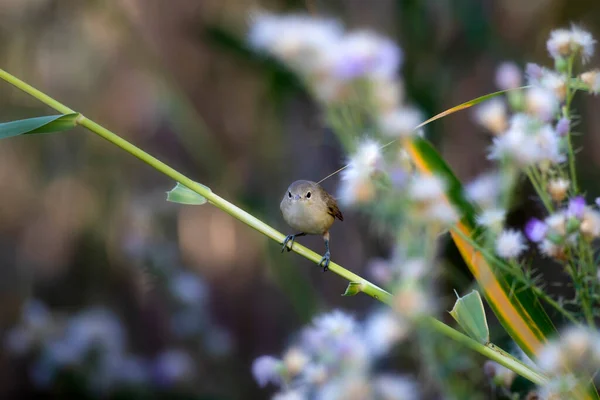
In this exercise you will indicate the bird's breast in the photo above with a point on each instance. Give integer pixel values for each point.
(308, 219)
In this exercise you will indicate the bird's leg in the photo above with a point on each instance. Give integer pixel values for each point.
(291, 238)
(327, 257)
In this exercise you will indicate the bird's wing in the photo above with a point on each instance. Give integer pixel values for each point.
(332, 207)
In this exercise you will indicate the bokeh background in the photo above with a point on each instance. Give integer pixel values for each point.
(186, 297)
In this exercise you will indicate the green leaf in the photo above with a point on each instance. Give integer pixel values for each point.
(49, 124)
(353, 289)
(469, 313)
(183, 195)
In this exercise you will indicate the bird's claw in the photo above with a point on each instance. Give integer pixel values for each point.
(325, 262)
(288, 238)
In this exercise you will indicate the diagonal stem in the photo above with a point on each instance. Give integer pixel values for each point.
(490, 351)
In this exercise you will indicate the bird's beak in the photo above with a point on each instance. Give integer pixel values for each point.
(297, 197)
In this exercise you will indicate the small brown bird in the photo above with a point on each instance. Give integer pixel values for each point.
(309, 209)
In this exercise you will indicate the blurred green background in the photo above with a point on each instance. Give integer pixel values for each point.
(84, 224)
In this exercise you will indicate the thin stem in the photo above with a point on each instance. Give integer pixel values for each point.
(366, 286)
(566, 111)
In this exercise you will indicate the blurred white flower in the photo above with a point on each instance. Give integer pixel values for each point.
(541, 103)
(484, 189)
(592, 80)
(400, 122)
(492, 115)
(293, 394)
(558, 189)
(383, 330)
(304, 42)
(364, 53)
(188, 288)
(492, 218)
(347, 387)
(590, 224)
(567, 42)
(558, 388)
(356, 185)
(510, 244)
(508, 76)
(267, 369)
(499, 374)
(95, 329)
(294, 361)
(173, 367)
(426, 188)
(395, 387)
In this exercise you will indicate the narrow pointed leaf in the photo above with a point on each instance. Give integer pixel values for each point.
(469, 313)
(49, 124)
(353, 289)
(184, 195)
(521, 314)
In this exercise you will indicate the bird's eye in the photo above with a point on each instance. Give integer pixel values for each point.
(308, 195)
(290, 195)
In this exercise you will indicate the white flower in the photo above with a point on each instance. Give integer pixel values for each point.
(401, 122)
(590, 224)
(413, 268)
(173, 366)
(492, 115)
(592, 80)
(559, 43)
(484, 189)
(508, 76)
(441, 212)
(575, 41)
(292, 394)
(187, 288)
(383, 330)
(558, 189)
(550, 249)
(305, 42)
(365, 53)
(510, 244)
(295, 360)
(395, 387)
(516, 145)
(557, 222)
(95, 329)
(558, 388)
(548, 142)
(492, 218)
(426, 188)
(356, 185)
(411, 301)
(541, 103)
(266, 369)
(556, 83)
(583, 42)
(387, 94)
(366, 160)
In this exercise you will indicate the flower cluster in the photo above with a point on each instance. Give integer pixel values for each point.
(569, 361)
(564, 227)
(334, 359)
(341, 68)
(94, 343)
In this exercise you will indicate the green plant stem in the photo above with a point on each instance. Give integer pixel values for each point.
(566, 111)
(366, 286)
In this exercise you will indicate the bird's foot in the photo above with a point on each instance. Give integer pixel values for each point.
(288, 238)
(325, 261)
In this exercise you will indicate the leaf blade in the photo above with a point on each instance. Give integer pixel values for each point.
(528, 326)
(37, 125)
(183, 195)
